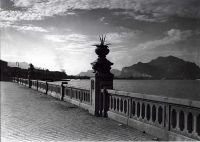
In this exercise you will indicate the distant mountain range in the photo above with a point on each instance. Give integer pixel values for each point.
(90, 73)
(160, 68)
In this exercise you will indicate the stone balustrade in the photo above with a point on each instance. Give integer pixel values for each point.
(34, 84)
(77, 96)
(164, 117)
(185, 120)
(22, 81)
(42, 86)
(54, 90)
(168, 118)
(15, 79)
(82, 95)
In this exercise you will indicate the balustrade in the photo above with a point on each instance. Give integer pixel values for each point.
(42, 86)
(34, 84)
(21, 81)
(184, 119)
(78, 94)
(173, 115)
(54, 88)
(119, 104)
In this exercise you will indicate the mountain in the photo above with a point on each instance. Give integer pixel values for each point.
(162, 68)
(22, 65)
(90, 73)
(116, 72)
(87, 73)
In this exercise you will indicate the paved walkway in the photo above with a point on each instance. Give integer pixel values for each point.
(27, 115)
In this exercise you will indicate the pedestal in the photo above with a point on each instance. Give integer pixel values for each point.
(98, 82)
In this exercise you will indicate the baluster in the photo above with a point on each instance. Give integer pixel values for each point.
(177, 120)
(123, 110)
(194, 132)
(89, 97)
(144, 113)
(130, 107)
(110, 102)
(86, 98)
(150, 120)
(140, 110)
(67, 91)
(82, 95)
(127, 106)
(136, 108)
(185, 123)
(145, 117)
(120, 105)
(136, 102)
(163, 116)
(157, 106)
(78, 95)
(151, 114)
(71, 93)
(115, 103)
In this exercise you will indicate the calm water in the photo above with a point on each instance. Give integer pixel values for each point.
(189, 89)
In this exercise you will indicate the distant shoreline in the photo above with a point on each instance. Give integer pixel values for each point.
(134, 79)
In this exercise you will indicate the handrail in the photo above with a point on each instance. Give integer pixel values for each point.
(179, 101)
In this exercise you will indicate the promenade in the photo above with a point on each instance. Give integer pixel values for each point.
(27, 115)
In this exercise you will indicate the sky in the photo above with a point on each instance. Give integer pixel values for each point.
(60, 34)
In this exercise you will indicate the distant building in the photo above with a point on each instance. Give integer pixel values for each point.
(4, 70)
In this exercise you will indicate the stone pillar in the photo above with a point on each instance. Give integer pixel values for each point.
(30, 75)
(29, 82)
(47, 87)
(102, 79)
(62, 90)
(37, 86)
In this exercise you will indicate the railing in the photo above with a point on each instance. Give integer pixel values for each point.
(185, 120)
(22, 81)
(15, 79)
(34, 84)
(54, 90)
(172, 115)
(78, 94)
(166, 118)
(42, 86)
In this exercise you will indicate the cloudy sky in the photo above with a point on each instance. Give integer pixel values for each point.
(59, 34)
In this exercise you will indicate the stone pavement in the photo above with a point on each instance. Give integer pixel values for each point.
(27, 115)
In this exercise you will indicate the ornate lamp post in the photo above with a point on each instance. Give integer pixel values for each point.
(102, 79)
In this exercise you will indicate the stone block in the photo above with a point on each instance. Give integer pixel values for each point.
(117, 117)
(148, 128)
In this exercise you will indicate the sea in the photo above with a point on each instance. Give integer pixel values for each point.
(185, 89)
